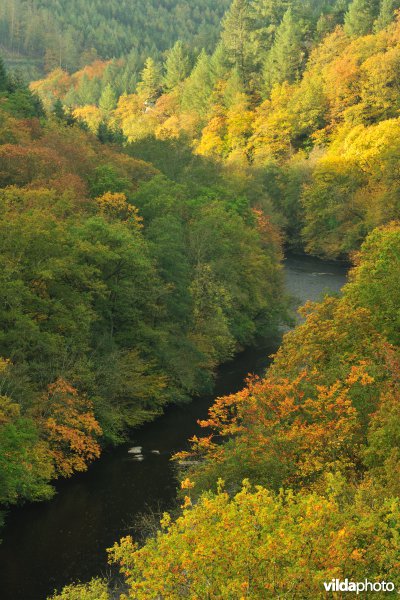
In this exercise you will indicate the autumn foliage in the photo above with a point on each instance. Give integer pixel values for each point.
(321, 448)
(69, 427)
(118, 285)
(144, 204)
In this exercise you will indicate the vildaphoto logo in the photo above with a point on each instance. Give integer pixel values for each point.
(336, 585)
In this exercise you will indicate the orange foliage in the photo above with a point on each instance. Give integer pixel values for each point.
(116, 206)
(311, 428)
(268, 232)
(70, 428)
(21, 165)
(95, 69)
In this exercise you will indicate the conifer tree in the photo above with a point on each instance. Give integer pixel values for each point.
(58, 110)
(108, 99)
(234, 86)
(219, 62)
(84, 91)
(286, 55)
(360, 17)
(198, 86)
(71, 97)
(236, 37)
(3, 77)
(177, 66)
(386, 15)
(150, 84)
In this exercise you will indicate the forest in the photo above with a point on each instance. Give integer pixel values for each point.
(42, 34)
(311, 124)
(147, 199)
(122, 291)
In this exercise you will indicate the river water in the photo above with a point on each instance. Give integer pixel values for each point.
(48, 545)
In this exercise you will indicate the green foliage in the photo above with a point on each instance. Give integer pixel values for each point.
(116, 297)
(150, 83)
(236, 37)
(177, 66)
(25, 466)
(327, 210)
(3, 77)
(198, 86)
(105, 178)
(16, 98)
(360, 17)
(286, 56)
(97, 589)
(108, 99)
(386, 14)
(80, 33)
(375, 280)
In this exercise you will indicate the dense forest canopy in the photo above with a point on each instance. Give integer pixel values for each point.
(121, 289)
(296, 480)
(147, 188)
(71, 33)
(304, 108)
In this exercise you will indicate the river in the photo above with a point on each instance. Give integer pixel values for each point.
(48, 545)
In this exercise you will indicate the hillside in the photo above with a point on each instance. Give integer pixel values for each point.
(310, 123)
(71, 34)
(149, 185)
(122, 291)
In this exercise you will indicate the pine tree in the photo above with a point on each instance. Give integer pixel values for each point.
(234, 87)
(360, 17)
(71, 98)
(84, 91)
(150, 84)
(3, 77)
(236, 37)
(286, 55)
(219, 62)
(267, 16)
(177, 66)
(58, 110)
(198, 86)
(386, 15)
(108, 99)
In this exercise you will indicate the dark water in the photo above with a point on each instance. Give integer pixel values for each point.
(46, 546)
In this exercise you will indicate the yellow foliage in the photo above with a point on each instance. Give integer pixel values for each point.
(90, 114)
(258, 545)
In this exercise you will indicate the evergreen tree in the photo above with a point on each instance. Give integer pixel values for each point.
(89, 90)
(267, 16)
(219, 62)
(198, 86)
(236, 37)
(360, 17)
(108, 99)
(286, 55)
(3, 77)
(234, 86)
(58, 110)
(177, 66)
(94, 90)
(62, 115)
(110, 135)
(84, 94)
(71, 97)
(386, 15)
(150, 84)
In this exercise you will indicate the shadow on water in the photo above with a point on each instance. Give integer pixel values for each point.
(48, 545)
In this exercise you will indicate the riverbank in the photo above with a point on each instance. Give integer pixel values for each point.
(49, 545)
